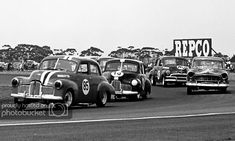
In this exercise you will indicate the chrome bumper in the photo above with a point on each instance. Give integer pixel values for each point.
(206, 85)
(175, 79)
(43, 96)
(126, 92)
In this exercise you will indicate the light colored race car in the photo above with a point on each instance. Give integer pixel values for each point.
(65, 79)
(128, 78)
(207, 73)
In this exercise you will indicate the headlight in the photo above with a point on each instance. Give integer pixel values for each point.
(224, 76)
(134, 82)
(191, 74)
(15, 82)
(168, 72)
(58, 84)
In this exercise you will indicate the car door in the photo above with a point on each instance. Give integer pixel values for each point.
(94, 78)
(83, 82)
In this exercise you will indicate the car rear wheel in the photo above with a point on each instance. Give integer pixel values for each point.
(102, 99)
(68, 99)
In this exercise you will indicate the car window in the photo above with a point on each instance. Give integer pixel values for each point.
(58, 64)
(94, 70)
(83, 68)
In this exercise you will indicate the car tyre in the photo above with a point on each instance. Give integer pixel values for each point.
(189, 91)
(135, 97)
(20, 105)
(223, 90)
(146, 95)
(68, 99)
(102, 99)
(153, 80)
(164, 83)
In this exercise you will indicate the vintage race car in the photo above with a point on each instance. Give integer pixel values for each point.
(207, 73)
(169, 69)
(65, 79)
(128, 78)
(102, 61)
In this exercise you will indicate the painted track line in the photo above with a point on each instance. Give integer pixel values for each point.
(117, 119)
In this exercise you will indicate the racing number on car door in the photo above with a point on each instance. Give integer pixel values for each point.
(85, 87)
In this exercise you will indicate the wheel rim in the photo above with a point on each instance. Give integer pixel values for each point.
(151, 80)
(163, 81)
(68, 99)
(104, 98)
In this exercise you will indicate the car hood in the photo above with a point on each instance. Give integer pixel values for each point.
(176, 68)
(47, 76)
(213, 71)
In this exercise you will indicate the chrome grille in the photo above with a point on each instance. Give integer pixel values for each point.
(34, 88)
(213, 79)
(126, 87)
(179, 75)
(116, 84)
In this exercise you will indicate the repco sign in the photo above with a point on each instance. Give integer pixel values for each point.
(192, 47)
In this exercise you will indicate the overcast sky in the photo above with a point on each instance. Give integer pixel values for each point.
(106, 24)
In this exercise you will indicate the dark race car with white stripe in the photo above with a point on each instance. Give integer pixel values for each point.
(65, 79)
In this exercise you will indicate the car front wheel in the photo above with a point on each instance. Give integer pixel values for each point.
(164, 83)
(20, 105)
(68, 98)
(153, 80)
(223, 90)
(189, 90)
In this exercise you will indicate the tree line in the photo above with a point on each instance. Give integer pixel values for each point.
(37, 53)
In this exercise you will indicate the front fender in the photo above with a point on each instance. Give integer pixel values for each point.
(22, 79)
(68, 84)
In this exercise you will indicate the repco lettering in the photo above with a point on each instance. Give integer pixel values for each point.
(192, 47)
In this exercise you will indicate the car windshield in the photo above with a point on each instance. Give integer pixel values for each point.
(175, 61)
(58, 64)
(201, 64)
(126, 66)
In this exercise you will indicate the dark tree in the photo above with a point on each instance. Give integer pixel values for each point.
(92, 51)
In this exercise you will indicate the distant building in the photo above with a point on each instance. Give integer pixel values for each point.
(57, 51)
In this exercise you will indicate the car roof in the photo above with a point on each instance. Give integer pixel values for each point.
(70, 57)
(208, 58)
(131, 60)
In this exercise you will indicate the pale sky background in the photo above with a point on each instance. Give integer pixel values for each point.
(106, 24)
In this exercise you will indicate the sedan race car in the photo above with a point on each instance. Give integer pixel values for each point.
(207, 73)
(65, 79)
(169, 69)
(128, 78)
